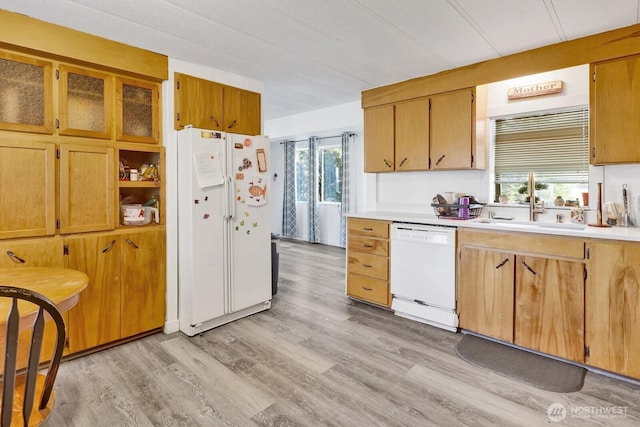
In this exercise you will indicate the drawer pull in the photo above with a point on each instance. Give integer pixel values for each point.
(367, 289)
(108, 248)
(529, 268)
(367, 265)
(15, 258)
(506, 260)
(366, 245)
(368, 229)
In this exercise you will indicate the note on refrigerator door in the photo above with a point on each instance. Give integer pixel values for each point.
(208, 168)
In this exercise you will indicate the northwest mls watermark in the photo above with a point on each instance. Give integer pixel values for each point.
(557, 412)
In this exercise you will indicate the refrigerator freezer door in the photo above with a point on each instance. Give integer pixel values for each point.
(202, 227)
(250, 231)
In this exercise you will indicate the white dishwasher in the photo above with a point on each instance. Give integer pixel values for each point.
(423, 274)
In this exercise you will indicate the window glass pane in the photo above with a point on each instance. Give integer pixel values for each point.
(21, 93)
(137, 110)
(85, 102)
(553, 145)
(331, 173)
(302, 175)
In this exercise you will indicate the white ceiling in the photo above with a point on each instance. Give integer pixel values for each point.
(318, 53)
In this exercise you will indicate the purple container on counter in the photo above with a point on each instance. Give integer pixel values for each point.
(463, 207)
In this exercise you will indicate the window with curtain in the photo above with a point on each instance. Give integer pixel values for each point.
(330, 177)
(302, 175)
(553, 145)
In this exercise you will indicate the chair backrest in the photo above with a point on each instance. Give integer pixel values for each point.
(30, 374)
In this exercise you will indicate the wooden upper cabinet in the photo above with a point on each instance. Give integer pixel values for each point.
(613, 307)
(198, 102)
(209, 105)
(615, 108)
(87, 195)
(25, 94)
(137, 111)
(379, 147)
(241, 111)
(86, 102)
(412, 135)
(27, 193)
(452, 135)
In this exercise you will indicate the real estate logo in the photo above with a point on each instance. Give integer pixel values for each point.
(556, 412)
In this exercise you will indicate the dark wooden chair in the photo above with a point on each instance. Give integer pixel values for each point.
(21, 388)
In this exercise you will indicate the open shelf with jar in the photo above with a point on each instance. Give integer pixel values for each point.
(140, 181)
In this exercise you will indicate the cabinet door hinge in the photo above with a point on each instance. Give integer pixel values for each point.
(65, 250)
(58, 223)
(587, 351)
(58, 153)
(178, 84)
(594, 76)
(57, 74)
(178, 117)
(593, 152)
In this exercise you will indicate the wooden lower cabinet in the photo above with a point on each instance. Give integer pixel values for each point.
(368, 261)
(126, 291)
(549, 309)
(143, 282)
(535, 299)
(41, 252)
(486, 292)
(613, 307)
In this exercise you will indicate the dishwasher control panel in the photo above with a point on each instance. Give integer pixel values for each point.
(424, 234)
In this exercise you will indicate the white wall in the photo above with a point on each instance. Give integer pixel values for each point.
(171, 173)
(321, 123)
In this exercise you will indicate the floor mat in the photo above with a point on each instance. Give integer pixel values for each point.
(538, 371)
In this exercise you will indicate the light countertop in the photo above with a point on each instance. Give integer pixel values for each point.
(562, 229)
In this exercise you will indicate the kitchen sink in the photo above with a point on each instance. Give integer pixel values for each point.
(533, 225)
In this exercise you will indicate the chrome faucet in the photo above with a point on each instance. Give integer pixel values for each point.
(534, 208)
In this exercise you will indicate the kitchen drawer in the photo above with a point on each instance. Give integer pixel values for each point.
(369, 245)
(369, 228)
(366, 288)
(368, 265)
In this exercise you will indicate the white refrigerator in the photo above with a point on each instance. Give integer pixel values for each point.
(224, 233)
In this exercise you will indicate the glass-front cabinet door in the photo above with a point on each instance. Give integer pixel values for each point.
(25, 94)
(86, 102)
(137, 114)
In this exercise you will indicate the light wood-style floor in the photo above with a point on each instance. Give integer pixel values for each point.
(316, 358)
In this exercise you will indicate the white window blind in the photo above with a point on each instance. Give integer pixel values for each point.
(553, 145)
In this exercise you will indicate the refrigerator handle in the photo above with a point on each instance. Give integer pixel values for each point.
(232, 199)
(227, 191)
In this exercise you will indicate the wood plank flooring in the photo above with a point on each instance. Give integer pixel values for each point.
(316, 358)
